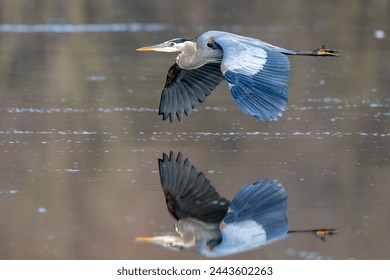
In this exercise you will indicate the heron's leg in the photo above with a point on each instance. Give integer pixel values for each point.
(322, 51)
(320, 233)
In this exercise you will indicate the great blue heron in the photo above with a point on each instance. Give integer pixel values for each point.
(257, 73)
(213, 225)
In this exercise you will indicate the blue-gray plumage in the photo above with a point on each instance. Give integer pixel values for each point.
(257, 73)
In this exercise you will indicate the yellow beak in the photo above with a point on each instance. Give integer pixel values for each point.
(146, 49)
(163, 47)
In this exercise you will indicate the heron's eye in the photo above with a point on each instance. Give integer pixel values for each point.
(171, 44)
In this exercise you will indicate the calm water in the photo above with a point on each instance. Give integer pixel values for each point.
(80, 135)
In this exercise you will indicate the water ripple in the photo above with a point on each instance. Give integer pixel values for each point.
(82, 28)
(18, 110)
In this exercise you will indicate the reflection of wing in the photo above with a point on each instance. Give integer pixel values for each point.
(256, 216)
(257, 74)
(185, 89)
(264, 202)
(189, 193)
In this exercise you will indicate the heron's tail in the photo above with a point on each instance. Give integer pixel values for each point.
(322, 51)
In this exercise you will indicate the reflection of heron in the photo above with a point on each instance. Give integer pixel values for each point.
(256, 71)
(212, 224)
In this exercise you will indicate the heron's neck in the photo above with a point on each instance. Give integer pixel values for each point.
(193, 56)
(187, 58)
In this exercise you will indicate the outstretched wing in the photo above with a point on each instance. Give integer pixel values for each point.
(256, 216)
(188, 193)
(185, 89)
(257, 73)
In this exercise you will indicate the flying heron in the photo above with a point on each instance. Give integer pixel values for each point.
(257, 73)
(213, 225)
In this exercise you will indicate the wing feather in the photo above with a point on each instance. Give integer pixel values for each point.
(185, 89)
(257, 75)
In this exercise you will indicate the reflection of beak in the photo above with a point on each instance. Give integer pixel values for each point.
(168, 241)
(149, 239)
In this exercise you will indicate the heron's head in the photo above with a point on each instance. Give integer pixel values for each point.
(174, 45)
(169, 241)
